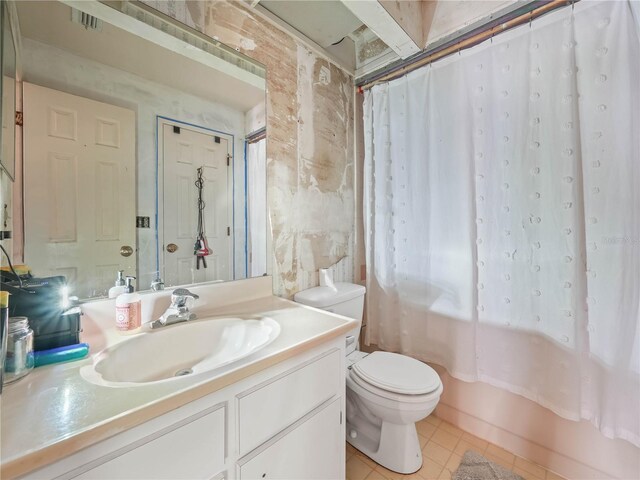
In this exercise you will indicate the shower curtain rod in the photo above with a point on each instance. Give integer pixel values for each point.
(256, 136)
(494, 28)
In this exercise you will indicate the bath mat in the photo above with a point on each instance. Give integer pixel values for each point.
(475, 467)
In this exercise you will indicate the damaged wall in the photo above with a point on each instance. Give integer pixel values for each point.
(310, 135)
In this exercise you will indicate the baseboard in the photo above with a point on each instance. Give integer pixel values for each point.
(554, 461)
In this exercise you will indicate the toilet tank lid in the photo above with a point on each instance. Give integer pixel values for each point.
(322, 297)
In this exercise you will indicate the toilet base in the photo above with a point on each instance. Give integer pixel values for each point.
(395, 447)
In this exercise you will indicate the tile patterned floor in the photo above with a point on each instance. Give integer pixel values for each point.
(442, 448)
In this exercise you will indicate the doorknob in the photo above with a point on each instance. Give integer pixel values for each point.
(126, 250)
(172, 247)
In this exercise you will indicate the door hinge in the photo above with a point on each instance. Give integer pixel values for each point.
(176, 129)
(228, 159)
(19, 118)
(340, 417)
(228, 231)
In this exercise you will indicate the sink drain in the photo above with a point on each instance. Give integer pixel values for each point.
(183, 372)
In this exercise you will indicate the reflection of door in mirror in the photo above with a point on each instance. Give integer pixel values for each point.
(184, 149)
(79, 168)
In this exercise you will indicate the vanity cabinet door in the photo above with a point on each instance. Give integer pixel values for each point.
(193, 450)
(314, 449)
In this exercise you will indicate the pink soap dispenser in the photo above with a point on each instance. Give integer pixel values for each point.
(129, 310)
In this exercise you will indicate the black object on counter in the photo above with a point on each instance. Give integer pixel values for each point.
(41, 300)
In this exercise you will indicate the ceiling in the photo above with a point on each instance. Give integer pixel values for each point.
(377, 33)
(50, 23)
(326, 22)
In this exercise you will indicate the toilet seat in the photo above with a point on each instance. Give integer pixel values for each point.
(395, 374)
(354, 382)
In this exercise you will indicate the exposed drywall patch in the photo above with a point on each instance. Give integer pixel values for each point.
(189, 12)
(371, 49)
(332, 130)
(195, 14)
(333, 249)
(325, 133)
(247, 44)
(325, 76)
(305, 80)
(322, 212)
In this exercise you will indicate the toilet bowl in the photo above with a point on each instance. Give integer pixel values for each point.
(387, 393)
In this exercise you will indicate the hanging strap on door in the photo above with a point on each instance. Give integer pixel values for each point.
(201, 248)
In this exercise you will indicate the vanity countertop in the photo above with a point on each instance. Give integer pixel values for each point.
(54, 412)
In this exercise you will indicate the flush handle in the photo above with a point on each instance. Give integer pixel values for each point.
(126, 251)
(350, 339)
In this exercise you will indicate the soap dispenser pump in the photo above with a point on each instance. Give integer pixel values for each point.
(119, 286)
(128, 286)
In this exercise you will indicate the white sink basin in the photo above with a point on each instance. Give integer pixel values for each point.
(181, 350)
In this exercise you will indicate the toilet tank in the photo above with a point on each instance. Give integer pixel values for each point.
(347, 299)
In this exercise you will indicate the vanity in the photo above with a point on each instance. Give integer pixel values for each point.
(276, 413)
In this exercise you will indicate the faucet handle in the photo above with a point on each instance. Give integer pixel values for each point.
(180, 296)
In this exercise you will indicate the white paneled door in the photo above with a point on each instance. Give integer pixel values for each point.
(183, 151)
(80, 189)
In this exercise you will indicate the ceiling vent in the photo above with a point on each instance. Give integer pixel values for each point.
(87, 21)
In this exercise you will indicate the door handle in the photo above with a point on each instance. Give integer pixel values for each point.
(126, 251)
(172, 247)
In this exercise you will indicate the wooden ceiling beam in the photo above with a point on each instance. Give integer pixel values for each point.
(375, 16)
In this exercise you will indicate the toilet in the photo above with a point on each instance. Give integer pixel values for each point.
(387, 393)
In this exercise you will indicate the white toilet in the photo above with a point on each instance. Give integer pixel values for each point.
(387, 393)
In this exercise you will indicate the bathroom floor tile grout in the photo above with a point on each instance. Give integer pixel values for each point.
(451, 443)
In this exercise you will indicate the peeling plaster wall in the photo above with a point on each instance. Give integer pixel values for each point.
(310, 136)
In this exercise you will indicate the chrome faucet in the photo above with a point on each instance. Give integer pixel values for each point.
(181, 300)
(157, 284)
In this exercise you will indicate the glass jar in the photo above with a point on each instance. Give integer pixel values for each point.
(19, 360)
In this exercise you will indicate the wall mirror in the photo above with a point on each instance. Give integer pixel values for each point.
(144, 149)
(8, 89)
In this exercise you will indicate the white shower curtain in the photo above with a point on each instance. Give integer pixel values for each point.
(502, 214)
